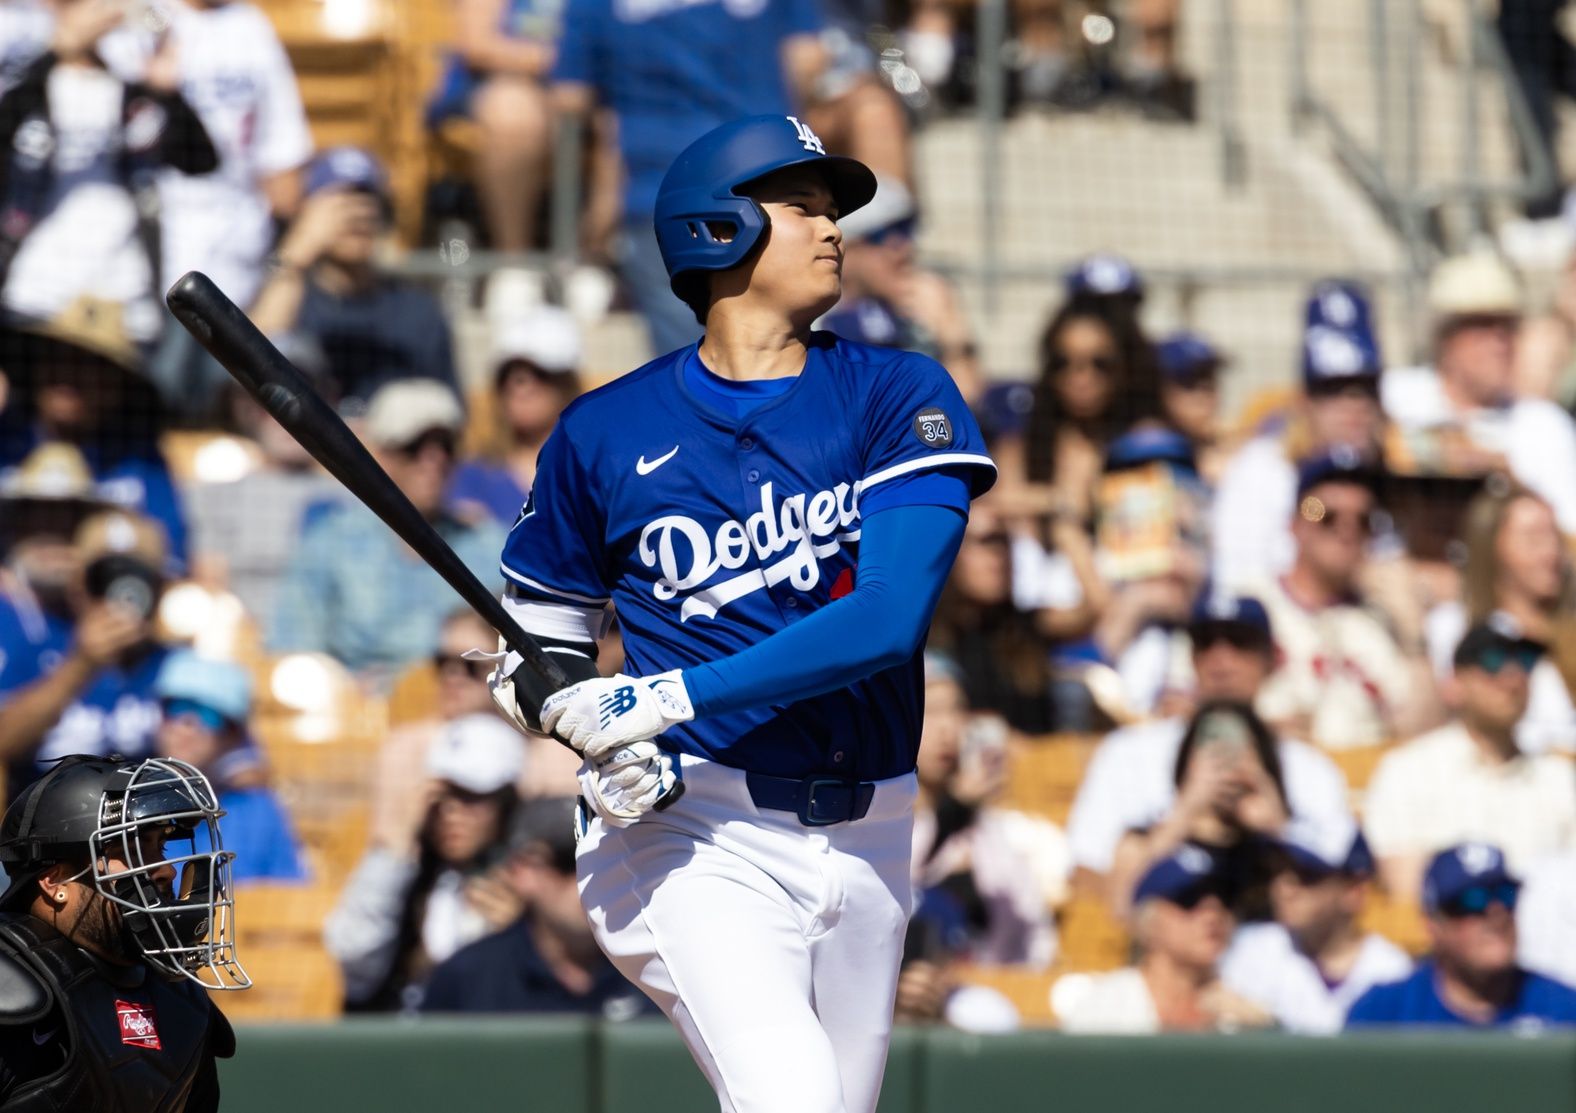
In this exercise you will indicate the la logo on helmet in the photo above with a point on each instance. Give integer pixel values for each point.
(807, 138)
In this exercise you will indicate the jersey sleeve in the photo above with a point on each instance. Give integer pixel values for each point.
(916, 422)
(555, 550)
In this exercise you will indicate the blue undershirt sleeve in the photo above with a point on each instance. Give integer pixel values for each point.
(905, 555)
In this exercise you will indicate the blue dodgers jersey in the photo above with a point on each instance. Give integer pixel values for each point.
(710, 533)
(1539, 1002)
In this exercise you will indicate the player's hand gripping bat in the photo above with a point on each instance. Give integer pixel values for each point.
(232, 339)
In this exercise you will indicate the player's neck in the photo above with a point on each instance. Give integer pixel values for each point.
(744, 342)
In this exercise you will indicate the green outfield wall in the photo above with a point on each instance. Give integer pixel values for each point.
(567, 1066)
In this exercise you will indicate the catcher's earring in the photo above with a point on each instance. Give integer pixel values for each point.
(60, 896)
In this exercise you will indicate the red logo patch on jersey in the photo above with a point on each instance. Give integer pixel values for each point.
(137, 1026)
(843, 584)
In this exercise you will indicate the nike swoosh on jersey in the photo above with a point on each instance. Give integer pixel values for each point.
(643, 468)
(41, 1040)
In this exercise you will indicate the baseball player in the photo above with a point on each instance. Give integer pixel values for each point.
(773, 511)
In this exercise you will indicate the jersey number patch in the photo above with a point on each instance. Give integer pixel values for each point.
(933, 428)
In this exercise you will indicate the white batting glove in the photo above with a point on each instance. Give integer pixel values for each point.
(598, 716)
(632, 780)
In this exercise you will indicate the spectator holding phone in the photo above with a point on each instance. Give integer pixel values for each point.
(79, 654)
(999, 872)
(428, 885)
(1471, 978)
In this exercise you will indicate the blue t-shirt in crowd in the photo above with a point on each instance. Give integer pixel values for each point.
(257, 830)
(504, 973)
(1415, 1000)
(117, 713)
(392, 331)
(674, 69)
(476, 483)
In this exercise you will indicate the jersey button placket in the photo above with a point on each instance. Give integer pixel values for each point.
(752, 476)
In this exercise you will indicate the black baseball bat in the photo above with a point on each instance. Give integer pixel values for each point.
(231, 338)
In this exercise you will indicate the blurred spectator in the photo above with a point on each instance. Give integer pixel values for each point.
(930, 988)
(1130, 783)
(397, 778)
(1471, 978)
(1546, 917)
(1003, 658)
(536, 361)
(231, 68)
(1182, 924)
(1152, 550)
(891, 301)
(1468, 780)
(26, 27)
(1462, 416)
(1544, 62)
(1097, 379)
(1001, 871)
(205, 706)
(671, 71)
(245, 531)
(1309, 965)
(547, 961)
(78, 650)
(1343, 679)
(354, 590)
(1230, 795)
(1517, 565)
(1337, 410)
(850, 105)
(373, 327)
(1065, 57)
(1190, 369)
(497, 76)
(1106, 278)
(429, 884)
(79, 207)
(77, 380)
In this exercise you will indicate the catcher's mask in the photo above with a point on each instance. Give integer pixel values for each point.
(159, 820)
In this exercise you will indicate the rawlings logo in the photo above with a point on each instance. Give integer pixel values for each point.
(137, 1027)
(810, 527)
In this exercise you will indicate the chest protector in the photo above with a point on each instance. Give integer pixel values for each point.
(131, 1048)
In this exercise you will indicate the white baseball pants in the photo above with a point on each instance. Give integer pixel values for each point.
(772, 946)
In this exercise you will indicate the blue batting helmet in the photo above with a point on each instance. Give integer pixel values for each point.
(703, 186)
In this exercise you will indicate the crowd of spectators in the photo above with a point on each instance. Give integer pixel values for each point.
(1219, 616)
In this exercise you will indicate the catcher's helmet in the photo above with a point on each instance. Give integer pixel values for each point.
(702, 188)
(154, 819)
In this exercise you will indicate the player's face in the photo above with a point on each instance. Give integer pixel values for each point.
(1085, 362)
(941, 737)
(1529, 552)
(800, 267)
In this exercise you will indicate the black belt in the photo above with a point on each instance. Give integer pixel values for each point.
(817, 801)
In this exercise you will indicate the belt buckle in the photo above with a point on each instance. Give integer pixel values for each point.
(824, 801)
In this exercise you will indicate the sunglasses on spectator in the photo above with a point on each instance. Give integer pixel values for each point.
(1364, 387)
(452, 791)
(1234, 635)
(191, 709)
(1494, 658)
(476, 670)
(1189, 899)
(1325, 517)
(1195, 380)
(1496, 321)
(1106, 365)
(1477, 900)
(440, 438)
(901, 231)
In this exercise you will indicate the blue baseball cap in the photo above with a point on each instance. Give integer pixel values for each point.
(1186, 872)
(221, 686)
(1334, 844)
(349, 167)
(1222, 608)
(1151, 445)
(1186, 355)
(1468, 866)
(1104, 275)
(1339, 464)
(1339, 303)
